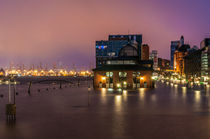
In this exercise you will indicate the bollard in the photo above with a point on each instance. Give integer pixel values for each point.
(60, 85)
(11, 112)
(29, 88)
(1, 95)
(38, 90)
(78, 83)
(47, 89)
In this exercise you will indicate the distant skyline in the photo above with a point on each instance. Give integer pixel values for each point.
(47, 31)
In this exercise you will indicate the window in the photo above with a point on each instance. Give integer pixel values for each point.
(136, 76)
(122, 76)
(109, 74)
(110, 77)
(128, 51)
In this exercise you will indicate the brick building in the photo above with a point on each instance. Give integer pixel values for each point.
(124, 71)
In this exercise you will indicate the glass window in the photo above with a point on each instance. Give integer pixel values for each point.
(122, 74)
(136, 76)
(128, 51)
(109, 74)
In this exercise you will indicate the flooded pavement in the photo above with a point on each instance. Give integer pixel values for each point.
(164, 112)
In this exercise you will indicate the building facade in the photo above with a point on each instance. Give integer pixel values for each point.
(145, 52)
(192, 63)
(107, 50)
(154, 57)
(179, 55)
(174, 46)
(125, 71)
(205, 60)
(163, 64)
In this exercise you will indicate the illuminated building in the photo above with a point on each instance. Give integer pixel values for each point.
(107, 50)
(125, 71)
(154, 57)
(205, 59)
(174, 45)
(2, 72)
(179, 55)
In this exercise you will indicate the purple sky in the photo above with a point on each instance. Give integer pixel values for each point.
(65, 30)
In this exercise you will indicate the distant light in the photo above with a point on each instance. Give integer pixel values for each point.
(197, 91)
(142, 78)
(119, 89)
(124, 91)
(103, 78)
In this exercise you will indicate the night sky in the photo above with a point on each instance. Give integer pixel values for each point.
(65, 31)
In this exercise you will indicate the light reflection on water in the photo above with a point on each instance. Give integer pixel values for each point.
(125, 96)
(153, 98)
(141, 94)
(184, 92)
(197, 96)
(103, 95)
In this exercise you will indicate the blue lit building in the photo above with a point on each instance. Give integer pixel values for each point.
(107, 50)
(175, 45)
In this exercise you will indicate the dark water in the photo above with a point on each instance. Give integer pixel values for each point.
(166, 112)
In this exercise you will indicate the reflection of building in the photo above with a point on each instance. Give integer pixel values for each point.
(154, 57)
(205, 58)
(145, 52)
(174, 45)
(109, 49)
(124, 70)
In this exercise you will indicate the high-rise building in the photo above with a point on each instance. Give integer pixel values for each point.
(174, 46)
(107, 50)
(181, 41)
(192, 64)
(179, 55)
(205, 59)
(145, 52)
(154, 56)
